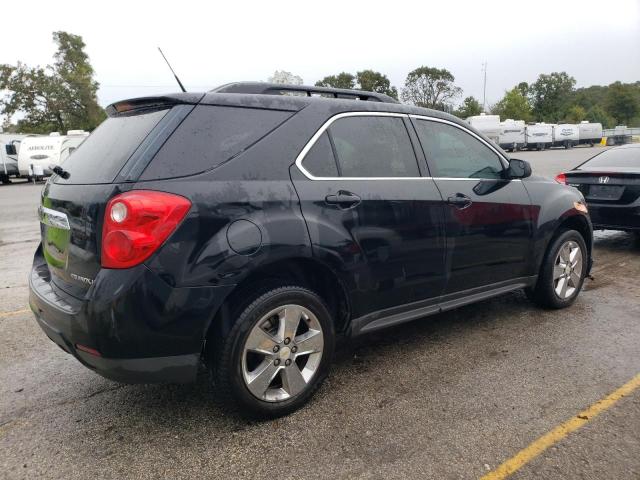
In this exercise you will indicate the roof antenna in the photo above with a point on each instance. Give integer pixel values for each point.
(174, 73)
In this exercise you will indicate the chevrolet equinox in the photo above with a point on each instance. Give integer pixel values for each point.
(246, 227)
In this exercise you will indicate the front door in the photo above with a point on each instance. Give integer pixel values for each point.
(488, 218)
(371, 215)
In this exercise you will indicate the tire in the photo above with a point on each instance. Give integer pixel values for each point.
(545, 292)
(231, 363)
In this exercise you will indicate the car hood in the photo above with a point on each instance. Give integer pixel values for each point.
(539, 178)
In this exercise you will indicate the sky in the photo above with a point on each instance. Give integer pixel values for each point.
(212, 43)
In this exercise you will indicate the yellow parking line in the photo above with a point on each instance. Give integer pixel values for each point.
(15, 312)
(541, 444)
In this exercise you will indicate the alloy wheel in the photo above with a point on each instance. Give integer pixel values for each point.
(282, 353)
(567, 270)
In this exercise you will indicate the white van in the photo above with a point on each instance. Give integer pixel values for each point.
(40, 153)
(589, 133)
(512, 135)
(565, 135)
(539, 136)
(489, 125)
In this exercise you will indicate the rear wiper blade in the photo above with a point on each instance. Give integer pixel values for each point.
(58, 170)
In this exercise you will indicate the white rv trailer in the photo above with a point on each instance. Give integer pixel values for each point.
(489, 125)
(9, 148)
(512, 135)
(40, 153)
(565, 135)
(589, 133)
(539, 136)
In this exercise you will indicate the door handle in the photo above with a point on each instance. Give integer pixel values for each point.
(459, 200)
(343, 199)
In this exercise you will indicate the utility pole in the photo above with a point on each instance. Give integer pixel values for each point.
(484, 88)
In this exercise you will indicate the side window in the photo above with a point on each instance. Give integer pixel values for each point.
(209, 136)
(454, 153)
(373, 147)
(320, 161)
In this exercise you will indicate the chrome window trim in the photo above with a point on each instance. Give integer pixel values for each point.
(327, 124)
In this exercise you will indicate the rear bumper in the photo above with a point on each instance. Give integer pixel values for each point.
(173, 369)
(141, 329)
(615, 217)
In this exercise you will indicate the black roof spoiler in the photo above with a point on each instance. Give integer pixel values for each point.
(280, 89)
(149, 103)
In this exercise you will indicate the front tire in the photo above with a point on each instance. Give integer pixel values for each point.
(277, 353)
(562, 272)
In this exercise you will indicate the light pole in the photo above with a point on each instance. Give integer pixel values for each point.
(484, 88)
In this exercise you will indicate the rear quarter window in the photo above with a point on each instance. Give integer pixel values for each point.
(209, 136)
(100, 157)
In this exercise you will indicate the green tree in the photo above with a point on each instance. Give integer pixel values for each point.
(596, 114)
(622, 102)
(373, 81)
(430, 87)
(513, 105)
(61, 96)
(470, 107)
(524, 88)
(575, 114)
(342, 80)
(549, 95)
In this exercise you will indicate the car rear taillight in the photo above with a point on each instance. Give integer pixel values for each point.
(136, 223)
(561, 178)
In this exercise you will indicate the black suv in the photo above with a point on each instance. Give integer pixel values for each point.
(248, 226)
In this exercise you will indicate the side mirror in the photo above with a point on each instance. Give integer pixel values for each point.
(518, 168)
(10, 148)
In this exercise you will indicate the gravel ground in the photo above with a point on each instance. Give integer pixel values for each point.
(451, 396)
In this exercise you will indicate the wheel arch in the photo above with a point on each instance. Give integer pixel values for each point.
(303, 271)
(577, 222)
(581, 225)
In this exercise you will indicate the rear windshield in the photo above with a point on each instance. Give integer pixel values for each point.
(616, 157)
(101, 156)
(209, 136)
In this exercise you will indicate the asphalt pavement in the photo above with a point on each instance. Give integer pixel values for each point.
(450, 396)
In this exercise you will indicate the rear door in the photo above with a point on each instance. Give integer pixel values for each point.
(370, 212)
(487, 217)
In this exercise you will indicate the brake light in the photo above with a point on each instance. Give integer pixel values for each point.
(561, 178)
(136, 223)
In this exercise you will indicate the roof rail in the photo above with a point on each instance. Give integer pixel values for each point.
(280, 89)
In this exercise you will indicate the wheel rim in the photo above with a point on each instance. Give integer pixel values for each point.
(567, 270)
(282, 353)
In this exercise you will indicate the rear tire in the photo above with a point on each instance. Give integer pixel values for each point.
(562, 271)
(276, 354)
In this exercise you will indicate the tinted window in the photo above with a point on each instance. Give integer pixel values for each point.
(373, 147)
(101, 156)
(617, 157)
(452, 152)
(320, 161)
(209, 136)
